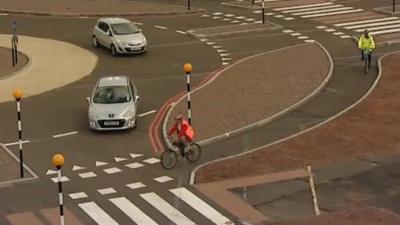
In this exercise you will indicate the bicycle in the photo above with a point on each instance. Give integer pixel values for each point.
(169, 157)
(366, 53)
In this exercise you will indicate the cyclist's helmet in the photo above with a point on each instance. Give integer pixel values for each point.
(366, 33)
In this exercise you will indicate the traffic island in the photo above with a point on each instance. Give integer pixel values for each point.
(254, 91)
(357, 132)
(6, 67)
(92, 8)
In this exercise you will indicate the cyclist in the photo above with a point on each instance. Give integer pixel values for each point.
(184, 132)
(366, 42)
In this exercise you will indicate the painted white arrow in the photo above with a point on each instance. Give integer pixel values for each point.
(133, 155)
(100, 163)
(75, 167)
(118, 159)
(49, 172)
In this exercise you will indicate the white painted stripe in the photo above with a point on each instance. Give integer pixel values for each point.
(221, 50)
(235, 21)
(365, 21)
(224, 54)
(65, 134)
(269, 14)
(288, 18)
(217, 13)
(367, 25)
(295, 34)
(19, 125)
(181, 32)
(379, 28)
(119, 159)
(345, 36)
(3, 14)
(112, 170)
(338, 33)
(385, 31)
(218, 46)
(132, 211)
(18, 106)
(279, 16)
(160, 27)
(287, 31)
(257, 11)
(78, 195)
(50, 172)
(330, 30)
(135, 185)
(83, 17)
(229, 15)
(322, 11)
(226, 19)
(313, 8)
(98, 163)
(211, 42)
(201, 206)
(147, 113)
(250, 19)
(321, 27)
(216, 17)
(74, 168)
(134, 165)
(60, 198)
(203, 40)
(226, 59)
(97, 213)
(63, 179)
(151, 160)
(133, 155)
(205, 16)
(137, 23)
(303, 6)
(309, 41)
(16, 143)
(258, 21)
(106, 191)
(87, 175)
(163, 179)
(240, 17)
(303, 37)
(332, 13)
(243, 23)
(225, 63)
(165, 208)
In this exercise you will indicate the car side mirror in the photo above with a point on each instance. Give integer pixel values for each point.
(110, 33)
(137, 98)
(88, 99)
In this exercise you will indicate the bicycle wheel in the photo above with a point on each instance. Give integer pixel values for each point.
(168, 159)
(194, 153)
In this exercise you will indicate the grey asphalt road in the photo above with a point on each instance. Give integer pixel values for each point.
(158, 76)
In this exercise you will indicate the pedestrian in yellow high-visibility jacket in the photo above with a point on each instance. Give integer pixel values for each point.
(366, 43)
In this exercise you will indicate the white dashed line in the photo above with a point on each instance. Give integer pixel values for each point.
(147, 113)
(112, 170)
(65, 134)
(288, 18)
(330, 30)
(161, 27)
(119, 159)
(50, 172)
(221, 50)
(106, 191)
(74, 168)
(345, 36)
(137, 23)
(87, 175)
(205, 16)
(218, 46)
(3, 14)
(250, 19)
(83, 17)
(78, 195)
(163, 179)
(134, 165)
(211, 43)
(269, 14)
(229, 15)
(181, 32)
(98, 163)
(203, 40)
(303, 37)
(287, 31)
(224, 54)
(295, 34)
(235, 21)
(16, 143)
(257, 11)
(258, 21)
(136, 185)
(225, 63)
(309, 41)
(321, 27)
(133, 155)
(216, 17)
(338, 33)
(63, 179)
(217, 13)
(226, 59)
(240, 17)
(151, 160)
(243, 23)
(279, 16)
(226, 19)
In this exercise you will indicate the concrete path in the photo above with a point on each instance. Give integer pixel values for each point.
(53, 64)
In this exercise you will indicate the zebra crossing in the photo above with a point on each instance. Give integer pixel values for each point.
(318, 10)
(171, 209)
(231, 18)
(381, 26)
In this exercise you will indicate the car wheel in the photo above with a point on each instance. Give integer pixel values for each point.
(95, 43)
(114, 50)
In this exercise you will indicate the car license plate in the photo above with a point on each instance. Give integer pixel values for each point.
(111, 123)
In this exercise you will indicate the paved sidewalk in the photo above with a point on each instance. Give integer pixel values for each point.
(90, 7)
(255, 89)
(6, 67)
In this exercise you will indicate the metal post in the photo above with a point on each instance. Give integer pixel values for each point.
(188, 98)
(21, 158)
(394, 5)
(263, 12)
(188, 4)
(313, 193)
(252, 2)
(60, 196)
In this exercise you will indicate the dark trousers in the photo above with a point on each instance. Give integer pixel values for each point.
(369, 57)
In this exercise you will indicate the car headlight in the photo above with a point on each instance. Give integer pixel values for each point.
(129, 113)
(121, 43)
(93, 114)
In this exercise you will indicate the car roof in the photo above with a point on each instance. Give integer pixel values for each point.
(114, 20)
(113, 81)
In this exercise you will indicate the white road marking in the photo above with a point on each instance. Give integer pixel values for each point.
(75, 167)
(226, 59)
(345, 36)
(338, 33)
(288, 18)
(97, 214)
(163, 179)
(147, 113)
(258, 21)
(65, 134)
(217, 13)
(221, 50)
(279, 16)
(332, 13)
(250, 19)
(200, 206)
(87, 175)
(216, 17)
(180, 32)
(135, 185)
(322, 11)
(16, 143)
(119, 159)
(240, 17)
(160, 27)
(243, 23)
(385, 31)
(134, 165)
(287, 31)
(151, 160)
(224, 54)
(229, 15)
(205, 16)
(225, 63)
(295, 34)
(165, 208)
(303, 37)
(217, 46)
(257, 11)
(368, 25)
(132, 211)
(321, 27)
(98, 163)
(3, 14)
(235, 21)
(313, 8)
(133, 155)
(78, 195)
(63, 179)
(309, 41)
(226, 19)
(379, 28)
(330, 30)
(303, 6)
(112, 170)
(106, 191)
(50, 172)
(211, 42)
(365, 21)
(269, 14)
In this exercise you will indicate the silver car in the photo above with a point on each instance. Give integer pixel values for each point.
(120, 35)
(113, 104)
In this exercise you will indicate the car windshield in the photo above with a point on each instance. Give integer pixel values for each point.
(111, 94)
(124, 28)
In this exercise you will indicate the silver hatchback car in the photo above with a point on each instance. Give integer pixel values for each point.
(113, 104)
(120, 35)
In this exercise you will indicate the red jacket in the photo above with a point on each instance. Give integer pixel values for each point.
(185, 130)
